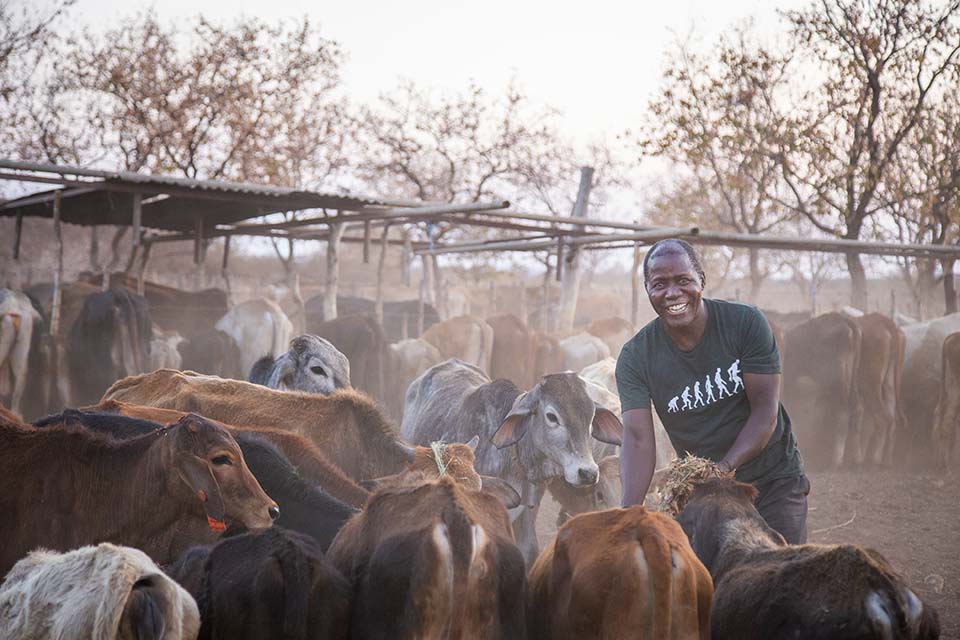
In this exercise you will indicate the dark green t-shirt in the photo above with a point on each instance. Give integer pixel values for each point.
(699, 394)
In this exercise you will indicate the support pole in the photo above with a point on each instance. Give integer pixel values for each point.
(198, 241)
(225, 268)
(635, 285)
(570, 284)
(137, 213)
(333, 271)
(144, 258)
(366, 242)
(407, 258)
(380, 267)
(17, 232)
(58, 276)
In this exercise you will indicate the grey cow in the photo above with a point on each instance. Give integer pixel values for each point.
(311, 364)
(550, 425)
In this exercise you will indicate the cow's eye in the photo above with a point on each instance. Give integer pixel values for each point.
(552, 417)
(222, 460)
(318, 370)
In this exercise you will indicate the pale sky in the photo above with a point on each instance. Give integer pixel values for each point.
(597, 62)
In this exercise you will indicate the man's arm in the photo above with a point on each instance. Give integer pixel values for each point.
(638, 455)
(763, 393)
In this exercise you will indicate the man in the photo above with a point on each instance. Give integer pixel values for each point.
(712, 370)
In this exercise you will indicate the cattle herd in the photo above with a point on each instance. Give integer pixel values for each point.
(246, 472)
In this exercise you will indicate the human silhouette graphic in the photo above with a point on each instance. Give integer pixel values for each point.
(685, 396)
(697, 396)
(708, 387)
(722, 390)
(734, 373)
(672, 405)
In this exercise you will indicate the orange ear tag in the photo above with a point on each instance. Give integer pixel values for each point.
(203, 495)
(217, 526)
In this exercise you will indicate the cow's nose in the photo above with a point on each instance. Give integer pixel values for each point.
(587, 475)
(274, 512)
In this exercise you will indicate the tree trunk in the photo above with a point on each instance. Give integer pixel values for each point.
(333, 271)
(858, 281)
(570, 280)
(756, 276)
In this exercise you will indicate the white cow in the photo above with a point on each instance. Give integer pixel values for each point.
(582, 350)
(17, 320)
(407, 359)
(164, 349)
(106, 592)
(259, 327)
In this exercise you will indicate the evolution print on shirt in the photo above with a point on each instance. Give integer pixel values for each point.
(712, 388)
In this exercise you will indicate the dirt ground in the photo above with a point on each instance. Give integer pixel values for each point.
(912, 519)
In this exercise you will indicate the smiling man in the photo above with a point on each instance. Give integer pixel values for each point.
(712, 370)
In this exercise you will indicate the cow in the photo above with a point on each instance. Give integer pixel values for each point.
(406, 359)
(266, 584)
(109, 339)
(105, 591)
(186, 312)
(512, 345)
(18, 319)
(550, 425)
(546, 356)
(878, 385)
(766, 589)
(311, 364)
(436, 560)
(922, 368)
(613, 331)
(400, 318)
(64, 487)
(821, 359)
(362, 341)
(581, 350)
(212, 352)
(948, 408)
(347, 426)
(259, 327)
(309, 461)
(464, 337)
(619, 573)
(165, 349)
(304, 506)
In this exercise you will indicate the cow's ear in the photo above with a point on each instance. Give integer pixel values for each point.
(142, 615)
(748, 491)
(473, 442)
(283, 368)
(502, 490)
(514, 426)
(196, 472)
(607, 426)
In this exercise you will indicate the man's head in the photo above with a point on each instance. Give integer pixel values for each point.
(674, 279)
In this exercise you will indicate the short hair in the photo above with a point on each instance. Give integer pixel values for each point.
(673, 246)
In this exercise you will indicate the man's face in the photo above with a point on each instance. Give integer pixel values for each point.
(674, 288)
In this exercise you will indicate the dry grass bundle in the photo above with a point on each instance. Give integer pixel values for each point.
(674, 486)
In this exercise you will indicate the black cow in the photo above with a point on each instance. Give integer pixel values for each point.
(766, 589)
(110, 339)
(212, 352)
(269, 584)
(395, 314)
(304, 506)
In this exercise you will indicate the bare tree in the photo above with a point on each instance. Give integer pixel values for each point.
(879, 62)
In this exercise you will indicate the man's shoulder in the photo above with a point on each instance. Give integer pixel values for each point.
(733, 309)
(641, 337)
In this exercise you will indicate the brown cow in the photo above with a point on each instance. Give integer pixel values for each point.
(546, 357)
(613, 331)
(433, 561)
(64, 487)
(620, 573)
(310, 462)
(878, 386)
(346, 425)
(464, 337)
(512, 342)
(407, 360)
(821, 357)
(948, 409)
(768, 590)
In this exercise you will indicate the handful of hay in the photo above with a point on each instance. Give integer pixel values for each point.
(675, 484)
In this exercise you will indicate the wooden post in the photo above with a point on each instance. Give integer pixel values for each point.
(570, 283)
(523, 302)
(420, 310)
(17, 232)
(405, 329)
(380, 267)
(58, 276)
(559, 273)
(225, 267)
(893, 303)
(407, 258)
(137, 213)
(366, 242)
(333, 271)
(144, 258)
(635, 285)
(198, 240)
